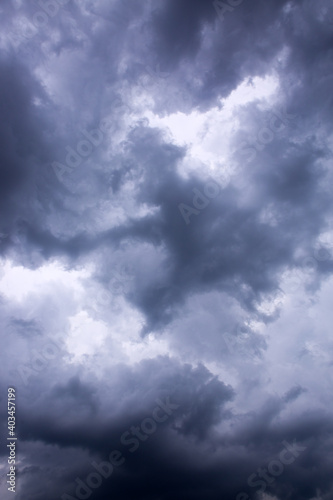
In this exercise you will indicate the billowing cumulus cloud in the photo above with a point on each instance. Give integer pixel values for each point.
(166, 249)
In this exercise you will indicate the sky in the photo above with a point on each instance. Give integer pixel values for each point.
(166, 249)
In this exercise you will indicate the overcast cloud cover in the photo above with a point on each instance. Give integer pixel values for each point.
(166, 245)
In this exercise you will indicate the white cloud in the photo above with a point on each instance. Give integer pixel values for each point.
(207, 134)
(18, 282)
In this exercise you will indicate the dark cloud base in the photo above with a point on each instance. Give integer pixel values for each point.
(194, 258)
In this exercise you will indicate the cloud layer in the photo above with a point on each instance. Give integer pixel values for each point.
(167, 248)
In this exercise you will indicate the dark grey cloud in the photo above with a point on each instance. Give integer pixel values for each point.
(74, 416)
(166, 238)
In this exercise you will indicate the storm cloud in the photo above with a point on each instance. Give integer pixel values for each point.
(166, 248)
